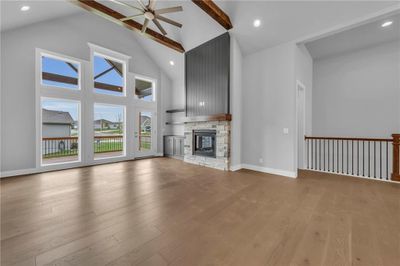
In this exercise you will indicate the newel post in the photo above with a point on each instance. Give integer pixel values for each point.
(396, 157)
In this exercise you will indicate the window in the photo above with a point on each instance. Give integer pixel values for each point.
(144, 89)
(60, 131)
(108, 75)
(109, 131)
(59, 72)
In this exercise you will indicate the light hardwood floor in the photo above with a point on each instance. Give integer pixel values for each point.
(166, 212)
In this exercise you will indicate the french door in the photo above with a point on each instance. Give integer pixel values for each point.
(145, 132)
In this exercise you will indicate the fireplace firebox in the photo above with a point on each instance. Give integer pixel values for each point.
(204, 143)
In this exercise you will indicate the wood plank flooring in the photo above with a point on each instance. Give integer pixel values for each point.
(165, 212)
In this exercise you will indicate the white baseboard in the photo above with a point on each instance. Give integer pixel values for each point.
(19, 172)
(269, 170)
(236, 167)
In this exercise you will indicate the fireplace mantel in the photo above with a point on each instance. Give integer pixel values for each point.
(208, 118)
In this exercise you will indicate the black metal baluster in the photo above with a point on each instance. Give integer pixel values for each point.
(337, 156)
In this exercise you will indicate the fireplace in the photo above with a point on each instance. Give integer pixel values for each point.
(204, 143)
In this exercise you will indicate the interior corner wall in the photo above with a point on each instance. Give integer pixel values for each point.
(357, 94)
(269, 106)
(68, 36)
(236, 103)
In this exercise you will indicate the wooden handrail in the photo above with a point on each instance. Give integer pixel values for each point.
(60, 138)
(396, 157)
(354, 139)
(109, 137)
(75, 138)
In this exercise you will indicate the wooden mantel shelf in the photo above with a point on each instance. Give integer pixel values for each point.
(207, 118)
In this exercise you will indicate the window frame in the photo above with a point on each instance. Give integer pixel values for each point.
(154, 90)
(61, 58)
(96, 50)
(79, 103)
(43, 91)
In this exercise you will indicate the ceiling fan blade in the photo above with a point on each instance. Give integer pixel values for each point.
(152, 4)
(141, 4)
(159, 26)
(168, 10)
(127, 5)
(170, 21)
(144, 27)
(131, 17)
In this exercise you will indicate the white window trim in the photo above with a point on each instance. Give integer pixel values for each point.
(79, 132)
(54, 92)
(155, 89)
(96, 50)
(62, 58)
(87, 98)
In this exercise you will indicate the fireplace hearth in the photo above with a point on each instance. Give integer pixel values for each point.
(204, 143)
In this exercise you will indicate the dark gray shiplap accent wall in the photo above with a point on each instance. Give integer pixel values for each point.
(207, 77)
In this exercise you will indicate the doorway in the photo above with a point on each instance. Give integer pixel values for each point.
(145, 133)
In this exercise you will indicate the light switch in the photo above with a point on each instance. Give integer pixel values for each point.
(285, 131)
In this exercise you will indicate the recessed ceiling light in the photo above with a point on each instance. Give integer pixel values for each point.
(25, 8)
(387, 23)
(257, 23)
(172, 63)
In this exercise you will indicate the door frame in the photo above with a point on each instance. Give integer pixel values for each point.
(153, 150)
(300, 87)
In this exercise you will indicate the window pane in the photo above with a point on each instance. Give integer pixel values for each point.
(144, 90)
(145, 131)
(108, 76)
(60, 73)
(108, 131)
(60, 131)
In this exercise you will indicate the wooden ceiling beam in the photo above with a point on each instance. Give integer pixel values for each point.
(215, 12)
(114, 16)
(74, 81)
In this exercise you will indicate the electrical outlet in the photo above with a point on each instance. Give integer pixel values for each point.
(285, 131)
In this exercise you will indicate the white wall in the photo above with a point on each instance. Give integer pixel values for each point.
(236, 103)
(357, 94)
(268, 108)
(68, 36)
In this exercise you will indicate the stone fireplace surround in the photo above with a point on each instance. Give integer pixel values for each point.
(222, 128)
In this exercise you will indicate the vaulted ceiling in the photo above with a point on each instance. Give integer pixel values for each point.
(281, 21)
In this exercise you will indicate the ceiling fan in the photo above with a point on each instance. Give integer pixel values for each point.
(151, 14)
